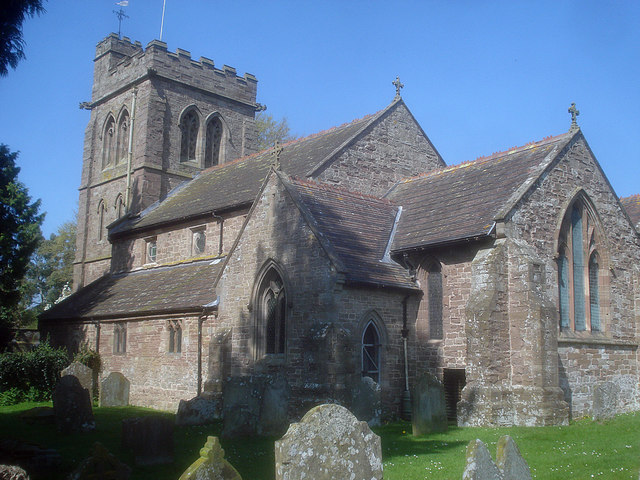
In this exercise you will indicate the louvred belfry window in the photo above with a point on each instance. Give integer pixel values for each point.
(213, 141)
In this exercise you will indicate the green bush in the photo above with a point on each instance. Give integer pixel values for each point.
(34, 374)
(90, 358)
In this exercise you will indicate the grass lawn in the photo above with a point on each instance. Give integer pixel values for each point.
(582, 450)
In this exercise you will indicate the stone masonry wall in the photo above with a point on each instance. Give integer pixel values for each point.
(392, 149)
(587, 357)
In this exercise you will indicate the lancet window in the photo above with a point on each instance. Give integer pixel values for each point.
(271, 303)
(371, 351)
(109, 142)
(122, 148)
(213, 142)
(189, 127)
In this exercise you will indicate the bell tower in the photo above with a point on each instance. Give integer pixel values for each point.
(157, 119)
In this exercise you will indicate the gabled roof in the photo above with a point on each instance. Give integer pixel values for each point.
(235, 184)
(463, 201)
(177, 288)
(632, 206)
(354, 229)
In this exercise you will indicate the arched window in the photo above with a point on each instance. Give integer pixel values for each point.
(579, 268)
(189, 135)
(108, 142)
(371, 352)
(119, 206)
(271, 303)
(434, 292)
(213, 141)
(101, 213)
(122, 148)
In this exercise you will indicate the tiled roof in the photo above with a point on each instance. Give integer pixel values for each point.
(462, 201)
(632, 206)
(234, 184)
(354, 228)
(179, 288)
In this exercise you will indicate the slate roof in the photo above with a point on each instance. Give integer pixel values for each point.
(354, 229)
(632, 206)
(235, 184)
(462, 202)
(177, 288)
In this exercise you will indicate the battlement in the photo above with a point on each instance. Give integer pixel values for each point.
(120, 62)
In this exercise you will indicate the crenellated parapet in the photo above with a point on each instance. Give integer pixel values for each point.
(121, 64)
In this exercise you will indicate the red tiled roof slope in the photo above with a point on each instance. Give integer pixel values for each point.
(632, 206)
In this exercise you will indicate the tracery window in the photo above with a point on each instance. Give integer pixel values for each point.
(213, 141)
(580, 273)
(271, 302)
(120, 337)
(122, 148)
(371, 351)
(175, 337)
(189, 129)
(108, 142)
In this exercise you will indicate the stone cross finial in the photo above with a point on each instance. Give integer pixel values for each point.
(398, 84)
(277, 150)
(574, 115)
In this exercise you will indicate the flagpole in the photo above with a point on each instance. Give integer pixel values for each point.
(164, 4)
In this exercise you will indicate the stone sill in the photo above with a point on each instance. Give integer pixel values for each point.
(588, 338)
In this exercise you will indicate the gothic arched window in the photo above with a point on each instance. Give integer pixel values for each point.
(579, 269)
(271, 303)
(189, 126)
(213, 142)
(119, 206)
(108, 142)
(101, 213)
(122, 147)
(371, 351)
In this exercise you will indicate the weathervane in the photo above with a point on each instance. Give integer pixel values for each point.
(398, 84)
(120, 14)
(277, 150)
(574, 115)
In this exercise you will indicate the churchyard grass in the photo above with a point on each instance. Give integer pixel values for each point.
(583, 450)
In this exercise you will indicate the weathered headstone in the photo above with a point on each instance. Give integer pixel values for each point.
(480, 465)
(199, 410)
(114, 390)
(366, 403)
(329, 443)
(429, 408)
(211, 465)
(509, 460)
(149, 438)
(82, 373)
(605, 400)
(274, 407)
(12, 472)
(101, 465)
(72, 406)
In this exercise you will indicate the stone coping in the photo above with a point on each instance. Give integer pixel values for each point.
(587, 338)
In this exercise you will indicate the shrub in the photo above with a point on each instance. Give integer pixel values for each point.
(90, 358)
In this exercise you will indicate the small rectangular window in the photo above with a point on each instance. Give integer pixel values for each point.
(151, 250)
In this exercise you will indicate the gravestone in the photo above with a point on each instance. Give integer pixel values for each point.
(12, 472)
(480, 465)
(366, 403)
(35, 459)
(149, 438)
(211, 465)
(509, 460)
(429, 407)
(329, 443)
(82, 373)
(199, 410)
(114, 390)
(101, 465)
(72, 406)
(255, 405)
(605, 400)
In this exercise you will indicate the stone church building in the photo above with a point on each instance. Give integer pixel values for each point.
(355, 252)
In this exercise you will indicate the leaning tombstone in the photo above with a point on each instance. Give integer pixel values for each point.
(509, 460)
(211, 465)
(101, 465)
(82, 373)
(605, 400)
(329, 443)
(200, 410)
(366, 403)
(72, 406)
(480, 465)
(114, 390)
(149, 438)
(429, 408)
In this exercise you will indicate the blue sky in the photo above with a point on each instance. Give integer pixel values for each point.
(479, 76)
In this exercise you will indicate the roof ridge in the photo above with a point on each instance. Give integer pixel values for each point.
(486, 158)
(633, 196)
(338, 189)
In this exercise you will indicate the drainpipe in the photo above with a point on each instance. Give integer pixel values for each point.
(97, 324)
(221, 222)
(127, 197)
(201, 319)
(406, 394)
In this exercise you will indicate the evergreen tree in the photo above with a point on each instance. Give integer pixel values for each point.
(12, 14)
(19, 237)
